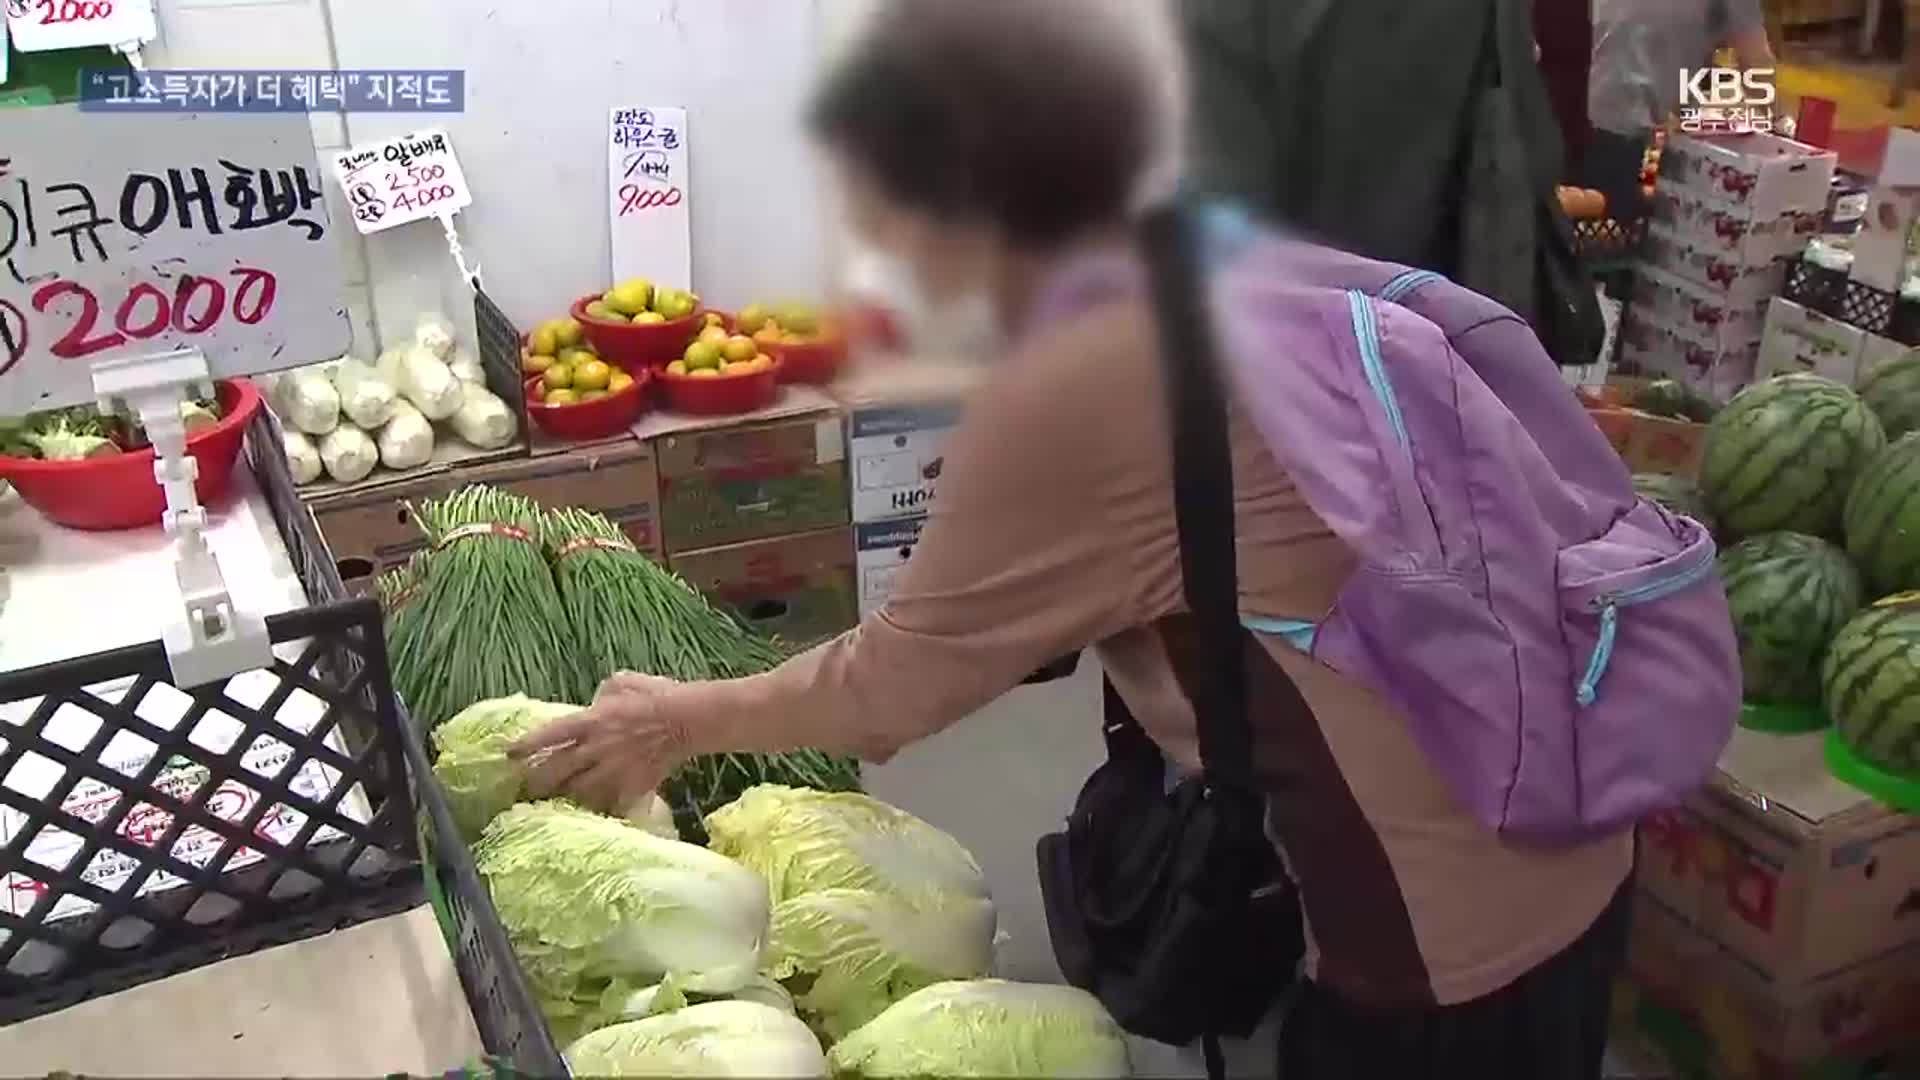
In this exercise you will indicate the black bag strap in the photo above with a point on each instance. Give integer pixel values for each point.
(1202, 488)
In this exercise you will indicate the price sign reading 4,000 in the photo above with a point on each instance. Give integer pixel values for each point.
(190, 305)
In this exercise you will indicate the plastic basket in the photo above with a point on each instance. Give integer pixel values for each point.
(1607, 242)
(511, 1027)
(1834, 293)
(178, 827)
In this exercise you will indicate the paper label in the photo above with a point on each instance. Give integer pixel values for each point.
(39, 25)
(401, 181)
(649, 192)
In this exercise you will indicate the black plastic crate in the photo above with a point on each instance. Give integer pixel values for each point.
(511, 1027)
(199, 810)
(1833, 292)
(1605, 242)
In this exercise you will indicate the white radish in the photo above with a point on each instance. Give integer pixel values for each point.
(407, 440)
(365, 397)
(348, 454)
(303, 460)
(484, 421)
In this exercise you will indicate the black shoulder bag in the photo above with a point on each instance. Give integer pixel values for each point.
(1170, 904)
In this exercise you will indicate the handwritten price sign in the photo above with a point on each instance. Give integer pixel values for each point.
(400, 181)
(647, 185)
(38, 25)
(157, 233)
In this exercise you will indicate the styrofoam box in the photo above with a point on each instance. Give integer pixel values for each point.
(1799, 340)
(1742, 275)
(1761, 176)
(1711, 224)
(1879, 351)
(1652, 349)
(895, 452)
(1698, 313)
(881, 549)
(1885, 239)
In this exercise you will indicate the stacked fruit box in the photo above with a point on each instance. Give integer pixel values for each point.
(1726, 211)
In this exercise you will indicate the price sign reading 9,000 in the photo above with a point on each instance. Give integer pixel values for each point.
(85, 323)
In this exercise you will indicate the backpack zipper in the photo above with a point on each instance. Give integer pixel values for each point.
(1587, 690)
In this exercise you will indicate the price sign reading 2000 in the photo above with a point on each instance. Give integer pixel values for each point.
(191, 304)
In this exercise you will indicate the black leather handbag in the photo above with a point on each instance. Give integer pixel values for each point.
(1168, 903)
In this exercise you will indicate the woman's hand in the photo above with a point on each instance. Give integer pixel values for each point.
(614, 752)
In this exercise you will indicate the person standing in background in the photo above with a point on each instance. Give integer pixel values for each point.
(1640, 48)
(1416, 133)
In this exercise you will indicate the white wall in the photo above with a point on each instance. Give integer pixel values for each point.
(271, 34)
(540, 80)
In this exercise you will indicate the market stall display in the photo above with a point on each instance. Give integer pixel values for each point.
(1789, 595)
(1872, 676)
(280, 794)
(1783, 454)
(1892, 391)
(88, 470)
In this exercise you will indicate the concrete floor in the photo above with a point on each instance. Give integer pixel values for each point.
(999, 780)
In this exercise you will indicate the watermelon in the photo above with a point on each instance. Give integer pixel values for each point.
(1783, 453)
(1872, 684)
(1893, 393)
(1789, 595)
(1883, 518)
(1676, 493)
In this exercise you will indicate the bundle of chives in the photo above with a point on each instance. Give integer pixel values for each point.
(488, 621)
(629, 614)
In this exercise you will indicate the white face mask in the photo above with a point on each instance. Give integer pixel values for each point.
(957, 329)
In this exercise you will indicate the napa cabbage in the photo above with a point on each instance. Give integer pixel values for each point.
(719, 1038)
(597, 908)
(987, 1028)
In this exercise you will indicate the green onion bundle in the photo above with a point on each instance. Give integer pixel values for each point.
(485, 620)
(629, 614)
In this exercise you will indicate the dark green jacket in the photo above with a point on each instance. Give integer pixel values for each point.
(1414, 131)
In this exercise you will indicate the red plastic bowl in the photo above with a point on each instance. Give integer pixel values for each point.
(728, 395)
(601, 419)
(636, 346)
(810, 361)
(119, 492)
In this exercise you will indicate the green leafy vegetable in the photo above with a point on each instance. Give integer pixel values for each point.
(804, 841)
(480, 780)
(987, 1028)
(720, 1038)
(590, 901)
(850, 953)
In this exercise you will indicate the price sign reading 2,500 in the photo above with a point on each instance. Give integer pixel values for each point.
(192, 305)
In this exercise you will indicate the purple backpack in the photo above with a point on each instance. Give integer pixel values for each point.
(1561, 647)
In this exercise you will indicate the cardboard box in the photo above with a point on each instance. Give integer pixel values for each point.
(1878, 351)
(1704, 315)
(1653, 444)
(1762, 177)
(1799, 339)
(1745, 276)
(1881, 246)
(1712, 1015)
(881, 548)
(895, 454)
(1900, 166)
(798, 588)
(728, 485)
(372, 531)
(1798, 876)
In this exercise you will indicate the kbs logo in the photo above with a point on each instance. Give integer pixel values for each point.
(1716, 100)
